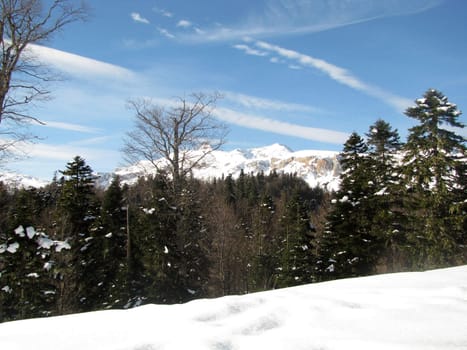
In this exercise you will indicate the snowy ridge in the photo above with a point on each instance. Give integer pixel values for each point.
(317, 168)
(21, 181)
(402, 311)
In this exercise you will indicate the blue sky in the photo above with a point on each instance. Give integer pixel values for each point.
(304, 73)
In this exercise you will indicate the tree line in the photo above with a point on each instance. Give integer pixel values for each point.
(400, 206)
(127, 245)
(71, 247)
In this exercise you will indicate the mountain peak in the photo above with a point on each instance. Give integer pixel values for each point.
(317, 168)
(275, 150)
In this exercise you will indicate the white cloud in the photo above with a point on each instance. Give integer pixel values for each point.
(70, 126)
(275, 60)
(283, 128)
(163, 12)
(339, 74)
(65, 152)
(79, 66)
(138, 18)
(267, 104)
(184, 24)
(166, 33)
(250, 51)
(288, 17)
(199, 31)
(294, 66)
(43, 159)
(92, 141)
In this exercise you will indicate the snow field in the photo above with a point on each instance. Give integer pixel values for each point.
(426, 310)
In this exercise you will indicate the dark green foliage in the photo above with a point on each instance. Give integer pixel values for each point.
(171, 238)
(348, 246)
(386, 191)
(435, 177)
(77, 218)
(28, 274)
(112, 225)
(297, 258)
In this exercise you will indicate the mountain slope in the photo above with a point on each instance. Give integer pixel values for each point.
(21, 181)
(317, 168)
(423, 310)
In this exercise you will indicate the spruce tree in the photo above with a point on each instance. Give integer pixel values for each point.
(28, 274)
(384, 151)
(111, 236)
(77, 214)
(266, 259)
(435, 178)
(347, 247)
(192, 246)
(297, 260)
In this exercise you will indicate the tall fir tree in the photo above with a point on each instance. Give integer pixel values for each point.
(435, 178)
(77, 215)
(297, 258)
(347, 247)
(266, 259)
(111, 234)
(384, 151)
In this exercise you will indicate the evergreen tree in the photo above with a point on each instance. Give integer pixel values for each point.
(192, 246)
(171, 237)
(348, 247)
(297, 260)
(384, 148)
(77, 195)
(266, 259)
(435, 178)
(77, 214)
(112, 227)
(27, 277)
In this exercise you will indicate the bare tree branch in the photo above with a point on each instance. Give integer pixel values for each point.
(22, 76)
(182, 134)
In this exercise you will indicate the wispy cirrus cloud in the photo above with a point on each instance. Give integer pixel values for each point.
(65, 152)
(166, 33)
(297, 60)
(253, 102)
(163, 12)
(257, 122)
(249, 50)
(79, 66)
(138, 18)
(70, 127)
(267, 18)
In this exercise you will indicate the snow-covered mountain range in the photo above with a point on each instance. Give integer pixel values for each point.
(317, 168)
(21, 181)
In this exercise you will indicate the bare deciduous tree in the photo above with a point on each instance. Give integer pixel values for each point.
(183, 133)
(23, 78)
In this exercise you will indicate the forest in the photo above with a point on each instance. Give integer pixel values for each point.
(72, 247)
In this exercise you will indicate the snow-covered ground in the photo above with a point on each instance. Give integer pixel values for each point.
(426, 310)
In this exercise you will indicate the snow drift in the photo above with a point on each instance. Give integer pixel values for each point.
(425, 310)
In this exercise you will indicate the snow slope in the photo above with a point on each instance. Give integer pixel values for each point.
(415, 311)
